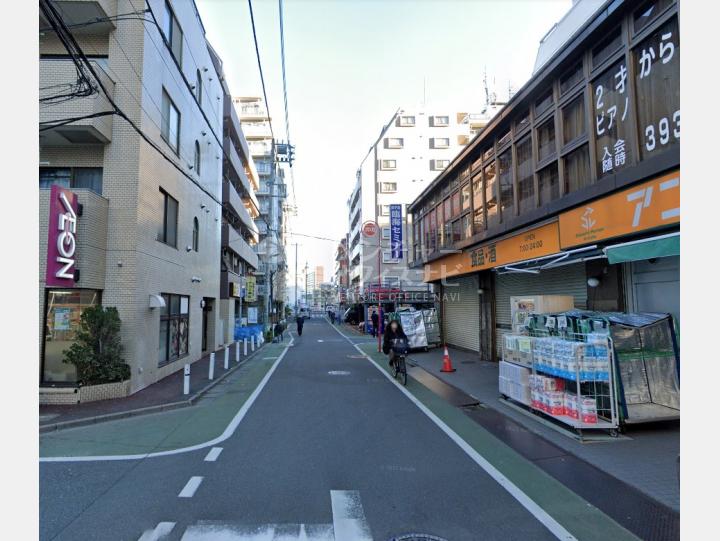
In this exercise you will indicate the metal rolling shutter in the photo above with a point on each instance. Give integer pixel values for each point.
(567, 280)
(462, 313)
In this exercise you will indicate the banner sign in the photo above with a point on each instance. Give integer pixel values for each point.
(252, 314)
(646, 206)
(250, 294)
(396, 231)
(62, 238)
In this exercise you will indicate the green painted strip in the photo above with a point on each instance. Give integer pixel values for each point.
(583, 520)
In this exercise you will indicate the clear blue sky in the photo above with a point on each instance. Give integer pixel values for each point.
(351, 63)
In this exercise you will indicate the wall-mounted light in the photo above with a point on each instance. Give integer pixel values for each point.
(593, 282)
(204, 132)
(195, 280)
(119, 263)
(202, 205)
(188, 248)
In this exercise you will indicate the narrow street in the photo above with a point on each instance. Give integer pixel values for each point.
(331, 449)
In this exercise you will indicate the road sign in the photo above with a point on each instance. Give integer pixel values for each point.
(396, 231)
(369, 229)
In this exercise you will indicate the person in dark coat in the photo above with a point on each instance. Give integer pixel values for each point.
(300, 320)
(375, 319)
(393, 331)
(279, 331)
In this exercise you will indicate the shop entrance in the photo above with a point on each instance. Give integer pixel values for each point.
(207, 308)
(656, 286)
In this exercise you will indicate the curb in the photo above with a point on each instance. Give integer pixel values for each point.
(53, 427)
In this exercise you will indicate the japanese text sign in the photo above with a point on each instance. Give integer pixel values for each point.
(250, 295)
(396, 231)
(62, 238)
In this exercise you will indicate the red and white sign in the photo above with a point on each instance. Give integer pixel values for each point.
(62, 238)
(370, 229)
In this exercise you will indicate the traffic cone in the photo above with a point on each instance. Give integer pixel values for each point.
(447, 363)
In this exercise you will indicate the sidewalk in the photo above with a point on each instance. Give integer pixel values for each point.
(162, 395)
(645, 457)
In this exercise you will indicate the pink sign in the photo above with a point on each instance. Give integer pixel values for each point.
(62, 231)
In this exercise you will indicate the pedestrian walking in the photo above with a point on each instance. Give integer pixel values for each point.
(300, 320)
(375, 319)
(331, 314)
(279, 328)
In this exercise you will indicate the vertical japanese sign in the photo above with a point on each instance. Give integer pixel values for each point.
(396, 242)
(250, 294)
(657, 79)
(62, 238)
(612, 118)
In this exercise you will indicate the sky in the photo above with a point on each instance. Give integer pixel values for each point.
(350, 64)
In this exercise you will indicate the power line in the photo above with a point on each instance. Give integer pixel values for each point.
(262, 77)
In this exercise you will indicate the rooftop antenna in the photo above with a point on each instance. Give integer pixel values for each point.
(485, 84)
(423, 102)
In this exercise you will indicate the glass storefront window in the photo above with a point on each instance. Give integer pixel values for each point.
(62, 322)
(174, 328)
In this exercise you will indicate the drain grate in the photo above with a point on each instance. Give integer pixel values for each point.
(417, 537)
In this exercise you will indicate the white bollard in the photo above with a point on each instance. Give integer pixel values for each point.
(237, 352)
(211, 374)
(226, 364)
(245, 347)
(186, 380)
(252, 343)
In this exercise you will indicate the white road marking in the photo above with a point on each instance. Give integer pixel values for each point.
(320, 340)
(538, 512)
(229, 430)
(349, 520)
(190, 488)
(160, 531)
(213, 454)
(339, 373)
(220, 531)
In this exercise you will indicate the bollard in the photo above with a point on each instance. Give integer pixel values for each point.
(252, 343)
(227, 358)
(211, 373)
(237, 352)
(245, 346)
(186, 380)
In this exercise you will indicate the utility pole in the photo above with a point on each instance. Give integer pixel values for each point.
(296, 304)
(306, 282)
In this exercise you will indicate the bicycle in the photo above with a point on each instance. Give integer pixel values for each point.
(400, 349)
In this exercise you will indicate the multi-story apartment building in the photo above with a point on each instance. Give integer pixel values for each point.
(239, 233)
(145, 215)
(411, 149)
(271, 274)
(574, 190)
(341, 272)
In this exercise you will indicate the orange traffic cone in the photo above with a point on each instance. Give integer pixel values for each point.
(447, 363)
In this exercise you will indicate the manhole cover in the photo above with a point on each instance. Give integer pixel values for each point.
(339, 373)
(417, 537)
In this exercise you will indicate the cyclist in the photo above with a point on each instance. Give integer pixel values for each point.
(392, 332)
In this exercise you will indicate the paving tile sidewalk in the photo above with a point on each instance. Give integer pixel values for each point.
(165, 392)
(645, 459)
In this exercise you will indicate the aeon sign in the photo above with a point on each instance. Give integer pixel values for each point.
(62, 241)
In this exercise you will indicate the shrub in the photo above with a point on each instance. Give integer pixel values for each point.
(97, 351)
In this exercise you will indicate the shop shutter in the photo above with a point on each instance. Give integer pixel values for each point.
(567, 280)
(461, 321)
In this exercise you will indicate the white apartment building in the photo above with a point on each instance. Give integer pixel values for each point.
(148, 228)
(414, 146)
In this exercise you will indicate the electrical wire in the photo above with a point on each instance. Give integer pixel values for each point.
(262, 77)
(285, 98)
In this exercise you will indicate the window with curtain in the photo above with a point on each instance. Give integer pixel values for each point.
(577, 169)
(507, 210)
(456, 203)
(456, 231)
(491, 206)
(477, 191)
(526, 180)
(548, 184)
(73, 178)
(465, 197)
(573, 120)
(439, 221)
(546, 139)
(168, 226)
(467, 225)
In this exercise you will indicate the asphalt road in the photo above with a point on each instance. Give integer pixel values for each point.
(331, 449)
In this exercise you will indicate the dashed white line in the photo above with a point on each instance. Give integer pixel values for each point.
(213, 454)
(190, 488)
(160, 531)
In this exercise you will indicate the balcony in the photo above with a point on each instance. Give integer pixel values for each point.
(252, 111)
(232, 199)
(82, 11)
(231, 239)
(234, 129)
(237, 171)
(57, 75)
(257, 130)
(260, 150)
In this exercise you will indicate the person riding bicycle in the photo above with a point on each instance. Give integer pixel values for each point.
(393, 331)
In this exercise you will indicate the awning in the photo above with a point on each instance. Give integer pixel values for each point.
(652, 248)
(568, 257)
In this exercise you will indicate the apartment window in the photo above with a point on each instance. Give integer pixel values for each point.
(73, 178)
(198, 86)
(197, 157)
(439, 165)
(477, 193)
(456, 204)
(168, 228)
(467, 225)
(465, 197)
(456, 231)
(525, 178)
(523, 122)
(439, 121)
(388, 258)
(573, 117)
(549, 184)
(447, 204)
(394, 142)
(384, 210)
(385, 233)
(174, 328)
(542, 104)
(546, 139)
(406, 121)
(505, 139)
(439, 142)
(478, 220)
(491, 206)
(388, 165)
(196, 235)
(571, 77)
(173, 33)
(647, 13)
(577, 169)
(439, 222)
(170, 123)
(506, 185)
(432, 246)
(388, 187)
(606, 49)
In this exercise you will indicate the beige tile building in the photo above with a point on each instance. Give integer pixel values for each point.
(149, 229)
